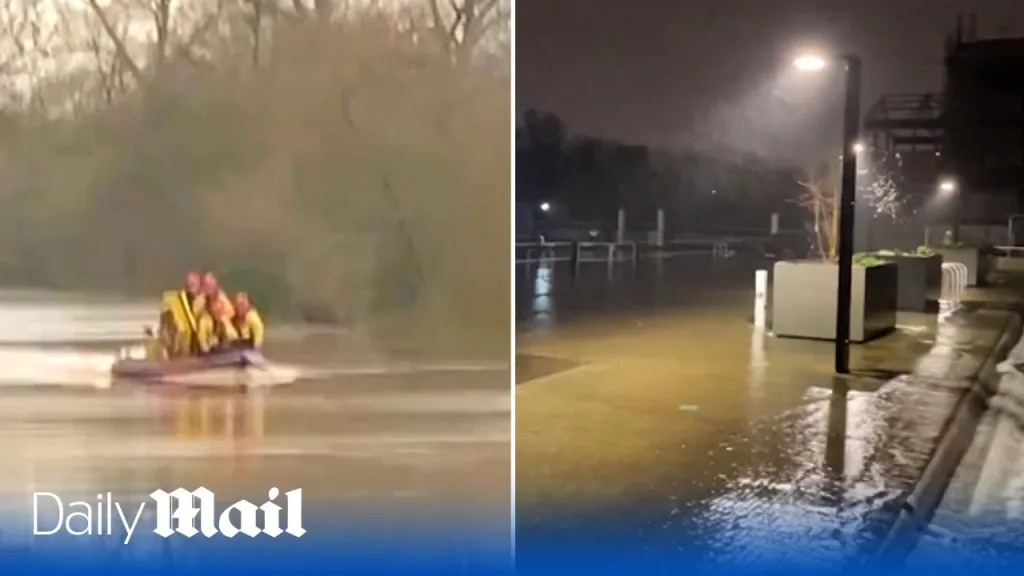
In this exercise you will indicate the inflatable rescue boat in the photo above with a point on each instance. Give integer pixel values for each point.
(128, 366)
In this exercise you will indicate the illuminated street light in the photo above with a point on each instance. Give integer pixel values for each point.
(810, 63)
(847, 193)
(545, 207)
(947, 185)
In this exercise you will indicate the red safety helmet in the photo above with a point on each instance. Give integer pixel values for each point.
(193, 282)
(210, 285)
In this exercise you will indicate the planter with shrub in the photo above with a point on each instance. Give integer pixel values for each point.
(804, 299)
(920, 278)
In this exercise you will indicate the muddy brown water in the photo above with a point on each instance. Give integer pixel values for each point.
(360, 433)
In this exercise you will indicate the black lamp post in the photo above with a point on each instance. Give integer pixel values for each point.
(847, 199)
(847, 211)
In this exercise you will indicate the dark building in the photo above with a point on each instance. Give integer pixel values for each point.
(972, 132)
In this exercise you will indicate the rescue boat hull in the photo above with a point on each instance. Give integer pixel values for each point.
(145, 369)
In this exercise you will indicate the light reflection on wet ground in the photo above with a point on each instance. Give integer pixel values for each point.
(360, 434)
(980, 521)
(755, 469)
(808, 496)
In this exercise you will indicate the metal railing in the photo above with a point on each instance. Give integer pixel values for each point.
(543, 251)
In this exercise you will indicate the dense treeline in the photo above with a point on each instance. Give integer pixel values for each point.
(340, 163)
(588, 179)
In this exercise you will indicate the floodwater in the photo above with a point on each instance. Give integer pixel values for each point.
(812, 477)
(551, 292)
(359, 433)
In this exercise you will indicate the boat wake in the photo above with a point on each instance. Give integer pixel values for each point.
(276, 374)
(69, 367)
(21, 366)
(50, 341)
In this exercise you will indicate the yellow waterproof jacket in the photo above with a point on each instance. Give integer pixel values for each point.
(213, 332)
(199, 305)
(177, 324)
(250, 327)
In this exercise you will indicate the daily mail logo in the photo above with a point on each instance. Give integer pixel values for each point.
(184, 512)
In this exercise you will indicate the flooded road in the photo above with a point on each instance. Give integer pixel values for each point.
(359, 433)
(681, 431)
(555, 292)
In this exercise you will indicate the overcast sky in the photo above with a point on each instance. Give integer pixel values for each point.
(668, 72)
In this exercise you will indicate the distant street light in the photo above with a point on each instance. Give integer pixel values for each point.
(847, 198)
(948, 190)
(810, 63)
(545, 207)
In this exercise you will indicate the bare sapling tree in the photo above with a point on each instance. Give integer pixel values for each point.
(881, 190)
(822, 196)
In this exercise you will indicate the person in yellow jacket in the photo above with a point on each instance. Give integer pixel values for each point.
(215, 331)
(184, 306)
(192, 289)
(211, 291)
(247, 322)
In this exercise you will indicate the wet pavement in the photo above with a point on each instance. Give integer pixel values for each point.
(686, 431)
(980, 520)
(361, 434)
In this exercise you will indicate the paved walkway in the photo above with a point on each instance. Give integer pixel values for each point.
(978, 524)
(695, 426)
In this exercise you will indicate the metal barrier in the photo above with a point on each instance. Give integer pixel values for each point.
(543, 252)
(722, 250)
(611, 252)
(954, 279)
(1015, 251)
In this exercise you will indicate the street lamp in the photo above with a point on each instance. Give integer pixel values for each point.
(545, 207)
(810, 63)
(948, 185)
(847, 196)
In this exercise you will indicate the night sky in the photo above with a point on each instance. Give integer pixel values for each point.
(669, 73)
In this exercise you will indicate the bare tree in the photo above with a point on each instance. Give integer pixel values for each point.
(880, 189)
(821, 197)
(463, 27)
(319, 154)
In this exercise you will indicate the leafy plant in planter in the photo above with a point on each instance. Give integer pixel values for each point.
(867, 259)
(919, 252)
